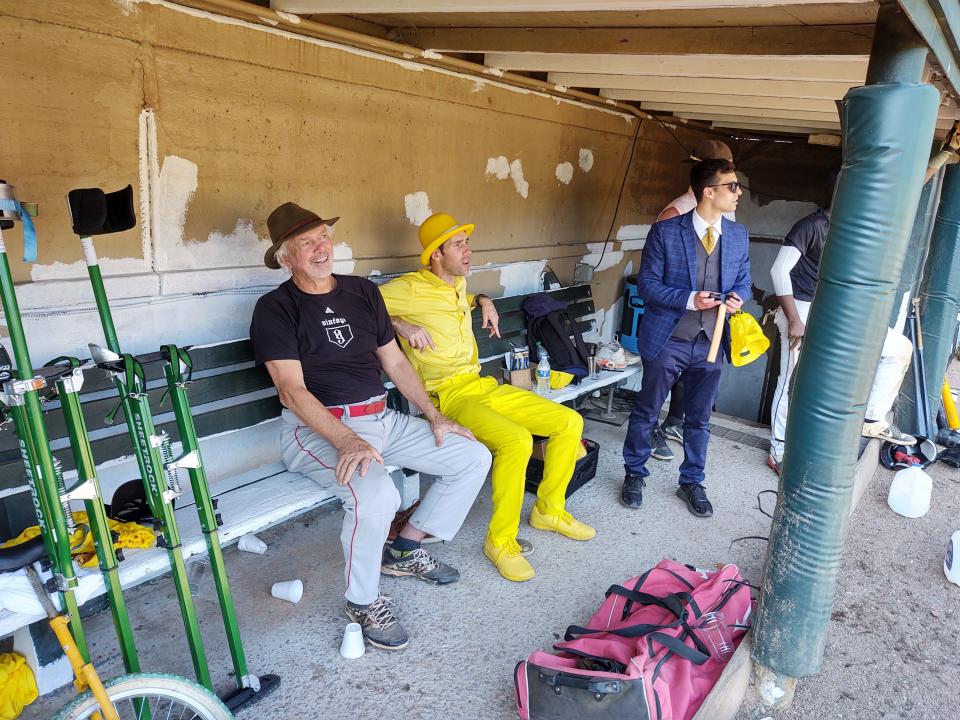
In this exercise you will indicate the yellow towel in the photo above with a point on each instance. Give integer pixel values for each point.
(129, 535)
(18, 688)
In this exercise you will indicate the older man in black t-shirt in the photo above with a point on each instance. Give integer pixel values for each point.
(324, 339)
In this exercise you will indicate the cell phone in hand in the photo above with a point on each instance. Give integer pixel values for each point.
(718, 296)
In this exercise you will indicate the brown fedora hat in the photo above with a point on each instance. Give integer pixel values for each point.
(286, 221)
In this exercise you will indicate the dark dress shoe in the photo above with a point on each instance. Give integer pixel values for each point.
(631, 495)
(695, 497)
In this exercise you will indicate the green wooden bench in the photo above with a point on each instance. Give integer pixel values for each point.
(237, 417)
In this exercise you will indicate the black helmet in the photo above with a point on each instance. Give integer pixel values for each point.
(899, 457)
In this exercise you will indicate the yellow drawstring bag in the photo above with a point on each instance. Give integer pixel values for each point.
(18, 687)
(747, 341)
(559, 379)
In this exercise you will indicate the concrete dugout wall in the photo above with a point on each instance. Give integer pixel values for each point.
(215, 122)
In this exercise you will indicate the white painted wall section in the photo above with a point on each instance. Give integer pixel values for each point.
(586, 159)
(417, 207)
(564, 172)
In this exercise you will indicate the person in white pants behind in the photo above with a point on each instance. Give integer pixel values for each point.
(794, 274)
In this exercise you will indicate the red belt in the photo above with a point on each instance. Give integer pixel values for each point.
(358, 410)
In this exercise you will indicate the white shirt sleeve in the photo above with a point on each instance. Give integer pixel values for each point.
(786, 259)
(690, 305)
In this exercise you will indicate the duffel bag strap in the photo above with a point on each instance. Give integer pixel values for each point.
(672, 603)
(677, 646)
(633, 631)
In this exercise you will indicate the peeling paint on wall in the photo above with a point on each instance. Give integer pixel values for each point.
(417, 206)
(176, 184)
(633, 232)
(519, 278)
(773, 219)
(565, 172)
(289, 17)
(586, 159)
(127, 6)
(78, 269)
(499, 167)
(516, 173)
(602, 256)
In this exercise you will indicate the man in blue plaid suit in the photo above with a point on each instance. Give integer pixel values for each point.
(691, 264)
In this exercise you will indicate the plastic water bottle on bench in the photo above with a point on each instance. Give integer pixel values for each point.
(543, 371)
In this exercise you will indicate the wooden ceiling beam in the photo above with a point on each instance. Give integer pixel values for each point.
(735, 101)
(704, 85)
(784, 40)
(852, 69)
(731, 120)
(362, 7)
(793, 116)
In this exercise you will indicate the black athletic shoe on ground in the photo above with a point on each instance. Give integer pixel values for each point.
(673, 431)
(380, 627)
(631, 495)
(696, 499)
(658, 445)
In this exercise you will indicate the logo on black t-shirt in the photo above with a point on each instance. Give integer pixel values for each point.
(340, 335)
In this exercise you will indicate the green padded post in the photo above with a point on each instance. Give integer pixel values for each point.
(940, 295)
(888, 130)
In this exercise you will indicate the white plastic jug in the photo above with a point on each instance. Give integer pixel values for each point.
(910, 492)
(951, 561)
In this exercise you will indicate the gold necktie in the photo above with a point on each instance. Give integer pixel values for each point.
(709, 240)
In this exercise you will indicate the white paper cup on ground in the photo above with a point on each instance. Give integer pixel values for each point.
(352, 646)
(252, 544)
(291, 590)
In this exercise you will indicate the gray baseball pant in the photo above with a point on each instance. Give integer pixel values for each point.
(370, 502)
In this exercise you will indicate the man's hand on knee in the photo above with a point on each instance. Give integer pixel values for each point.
(355, 455)
(442, 425)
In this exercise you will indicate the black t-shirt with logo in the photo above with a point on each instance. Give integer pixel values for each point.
(334, 335)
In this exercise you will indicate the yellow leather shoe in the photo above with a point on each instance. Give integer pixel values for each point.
(508, 560)
(565, 524)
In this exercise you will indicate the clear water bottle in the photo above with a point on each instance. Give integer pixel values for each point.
(543, 371)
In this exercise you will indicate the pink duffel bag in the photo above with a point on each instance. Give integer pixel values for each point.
(643, 655)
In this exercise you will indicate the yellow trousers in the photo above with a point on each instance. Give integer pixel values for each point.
(505, 418)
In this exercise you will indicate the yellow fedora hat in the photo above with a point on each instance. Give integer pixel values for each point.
(436, 230)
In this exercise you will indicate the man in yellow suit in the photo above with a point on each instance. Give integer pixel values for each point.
(430, 310)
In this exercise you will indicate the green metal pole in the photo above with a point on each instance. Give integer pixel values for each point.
(206, 511)
(68, 389)
(146, 444)
(897, 53)
(38, 461)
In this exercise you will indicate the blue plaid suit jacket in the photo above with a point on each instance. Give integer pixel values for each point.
(668, 273)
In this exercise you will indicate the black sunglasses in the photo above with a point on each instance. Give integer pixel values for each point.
(731, 186)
